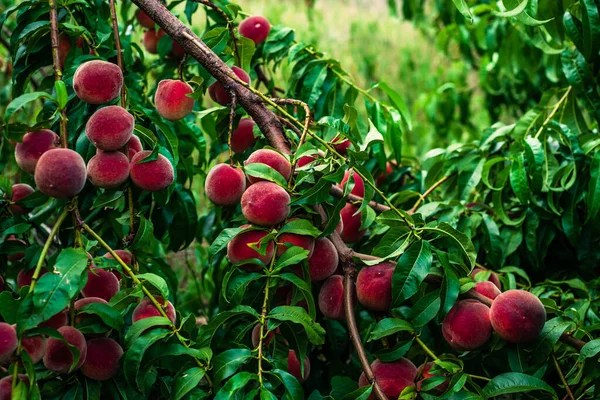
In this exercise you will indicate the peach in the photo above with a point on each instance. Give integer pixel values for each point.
(518, 316)
(286, 240)
(108, 169)
(467, 325)
(8, 341)
(35, 346)
(381, 177)
(16, 255)
(392, 377)
(60, 173)
(135, 146)
(493, 277)
(147, 309)
(144, 19)
(255, 28)
(84, 302)
(351, 222)
(33, 145)
(359, 185)
(341, 145)
(110, 128)
(152, 175)
(171, 99)
(24, 277)
(265, 204)
(101, 283)
(256, 335)
(151, 39)
(331, 298)
(239, 250)
(374, 286)
(242, 138)
(19, 192)
(225, 185)
(124, 255)
(424, 371)
(272, 159)
(6, 385)
(58, 357)
(219, 94)
(98, 82)
(102, 360)
(488, 289)
(294, 366)
(305, 160)
(324, 260)
(64, 47)
(57, 321)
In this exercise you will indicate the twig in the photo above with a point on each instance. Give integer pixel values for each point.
(262, 320)
(562, 376)
(115, 26)
(262, 77)
(57, 69)
(233, 105)
(210, 4)
(554, 110)
(336, 191)
(428, 192)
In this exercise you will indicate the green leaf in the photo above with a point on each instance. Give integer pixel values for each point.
(206, 332)
(263, 171)
(411, 270)
(246, 49)
(593, 194)
(515, 382)
(460, 239)
(187, 381)
(233, 385)
(389, 326)
(292, 386)
(228, 362)
(134, 355)
(23, 100)
(300, 227)
(61, 94)
(144, 235)
(143, 325)
(109, 315)
(293, 255)
(514, 12)
(398, 102)
(591, 29)
(373, 136)
(297, 315)
(464, 9)
(157, 282)
(222, 240)
(425, 309)
(590, 349)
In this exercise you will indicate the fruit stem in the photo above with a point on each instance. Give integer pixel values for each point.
(64, 139)
(425, 348)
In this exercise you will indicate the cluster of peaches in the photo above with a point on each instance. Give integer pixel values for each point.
(99, 355)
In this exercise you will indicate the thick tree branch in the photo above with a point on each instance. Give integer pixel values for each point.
(266, 120)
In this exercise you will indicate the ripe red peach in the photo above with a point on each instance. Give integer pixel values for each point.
(144, 19)
(101, 283)
(6, 385)
(33, 145)
(374, 286)
(84, 302)
(60, 173)
(152, 175)
(219, 94)
(57, 321)
(424, 371)
(359, 185)
(171, 99)
(331, 298)
(102, 360)
(255, 28)
(147, 309)
(135, 146)
(8, 341)
(239, 250)
(98, 82)
(287, 240)
(24, 277)
(110, 128)
(272, 159)
(225, 185)
(351, 222)
(19, 192)
(518, 316)
(392, 377)
(64, 47)
(294, 366)
(58, 357)
(305, 160)
(488, 289)
(324, 260)
(34, 346)
(493, 277)
(341, 145)
(467, 325)
(108, 169)
(256, 335)
(380, 178)
(242, 138)
(265, 204)
(124, 255)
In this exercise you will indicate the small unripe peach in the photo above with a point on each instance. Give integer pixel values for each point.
(294, 366)
(6, 385)
(351, 222)
(8, 341)
(286, 240)
(488, 289)
(324, 260)
(239, 250)
(102, 360)
(331, 298)
(265, 204)
(172, 100)
(518, 316)
(110, 128)
(98, 82)
(225, 185)
(60, 173)
(374, 286)
(393, 377)
(108, 169)
(255, 28)
(152, 175)
(493, 277)
(58, 357)
(147, 309)
(144, 19)
(34, 144)
(19, 192)
(467, 325)
(220, 95)
(272, 159)
(359, 185)
(242, 138)
(100, 283)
